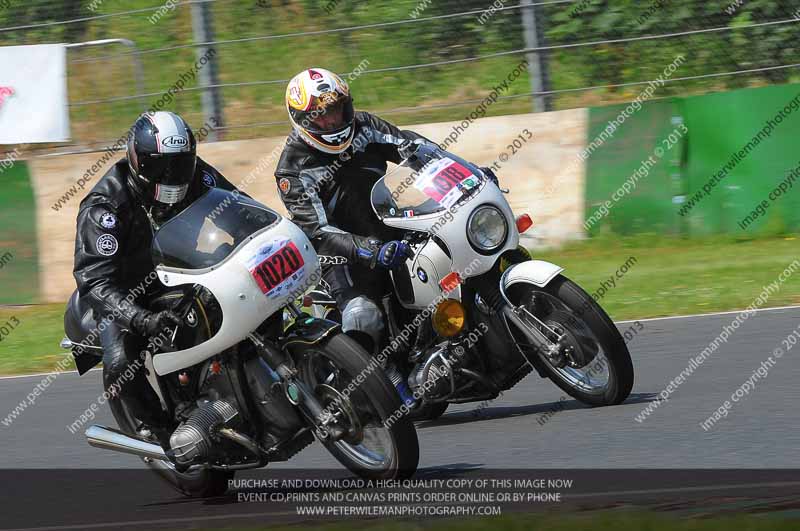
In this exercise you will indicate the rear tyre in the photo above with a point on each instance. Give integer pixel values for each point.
(199, 483)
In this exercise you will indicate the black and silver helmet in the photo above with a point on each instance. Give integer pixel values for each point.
(162, 155)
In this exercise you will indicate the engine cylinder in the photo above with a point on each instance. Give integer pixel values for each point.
(191, 442)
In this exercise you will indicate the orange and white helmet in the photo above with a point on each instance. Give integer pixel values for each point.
(321, 109)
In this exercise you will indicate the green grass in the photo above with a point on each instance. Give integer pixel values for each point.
(674, 276)
(671, 276)
(32, 346)
(590, 520)
(19, 275)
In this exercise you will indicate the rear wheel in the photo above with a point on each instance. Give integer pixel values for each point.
(379, 440)
(593, 365)
(200, 482)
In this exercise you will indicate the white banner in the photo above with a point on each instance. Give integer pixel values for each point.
(33, 94)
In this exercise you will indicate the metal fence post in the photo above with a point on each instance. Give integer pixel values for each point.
(536, 66)
(203, 29)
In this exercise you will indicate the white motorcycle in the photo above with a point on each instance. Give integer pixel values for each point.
(243, 391)
(471, 313)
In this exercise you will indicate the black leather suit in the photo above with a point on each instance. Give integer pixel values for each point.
(115, 274)
(328, 196)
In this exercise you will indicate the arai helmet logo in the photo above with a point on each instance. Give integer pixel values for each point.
(175, 141)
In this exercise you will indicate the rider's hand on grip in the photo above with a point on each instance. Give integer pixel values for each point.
(149, 324)
(392, 254)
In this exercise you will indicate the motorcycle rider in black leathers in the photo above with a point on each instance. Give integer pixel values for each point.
(325, 176)
(160, 176)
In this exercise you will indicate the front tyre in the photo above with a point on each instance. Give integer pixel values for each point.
(595, 366)
(380, 441)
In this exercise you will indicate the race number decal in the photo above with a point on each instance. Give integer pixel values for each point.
(277, 267)
(445, 181)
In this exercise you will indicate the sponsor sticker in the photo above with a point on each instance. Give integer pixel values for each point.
(285, 185)
(332, 260)
(445, 181)
(107, 245)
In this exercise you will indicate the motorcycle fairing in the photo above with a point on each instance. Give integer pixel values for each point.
(244, 305)
(466, 260)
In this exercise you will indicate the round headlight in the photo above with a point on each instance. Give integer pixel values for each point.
(487, 228)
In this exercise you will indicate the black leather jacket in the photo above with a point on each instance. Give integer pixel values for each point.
(328, 196)
(112, 246)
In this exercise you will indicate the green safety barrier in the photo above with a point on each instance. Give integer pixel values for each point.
(628, 152)
(740, 163)
(717, 179)
(19, 261)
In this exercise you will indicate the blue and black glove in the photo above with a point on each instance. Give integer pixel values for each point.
(392, 254)
(388, 255)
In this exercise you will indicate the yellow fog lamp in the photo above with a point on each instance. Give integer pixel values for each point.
(449, 318)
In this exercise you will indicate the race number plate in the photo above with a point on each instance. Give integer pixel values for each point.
(445, 181)
(276, 267)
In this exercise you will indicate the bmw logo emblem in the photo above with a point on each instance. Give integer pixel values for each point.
(422, 275)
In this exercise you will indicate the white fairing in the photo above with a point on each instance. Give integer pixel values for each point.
(244, 305)
(536, 272)
(452, 230)
(429, 266)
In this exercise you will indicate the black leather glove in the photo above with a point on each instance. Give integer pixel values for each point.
(150, 324)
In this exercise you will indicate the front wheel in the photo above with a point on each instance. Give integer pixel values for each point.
(379, 440)
(593, 364)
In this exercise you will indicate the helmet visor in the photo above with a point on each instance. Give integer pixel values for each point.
(168, 169)
(325, 119)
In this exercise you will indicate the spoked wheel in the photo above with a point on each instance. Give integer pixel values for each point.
(376, 441)
(197, 482)
(593, 364)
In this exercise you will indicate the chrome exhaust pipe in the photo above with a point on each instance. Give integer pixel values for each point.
(111, 439)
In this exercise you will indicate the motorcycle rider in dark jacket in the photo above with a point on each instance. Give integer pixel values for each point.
(160, 176)
(325, 176)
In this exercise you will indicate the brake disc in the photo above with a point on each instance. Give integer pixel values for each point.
(343, 412)
(574, 350)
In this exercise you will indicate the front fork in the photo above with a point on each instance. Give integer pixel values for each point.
(296, 390)
(516, 266)
(541, 337)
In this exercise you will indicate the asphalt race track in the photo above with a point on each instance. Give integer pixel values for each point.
(531, 427)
